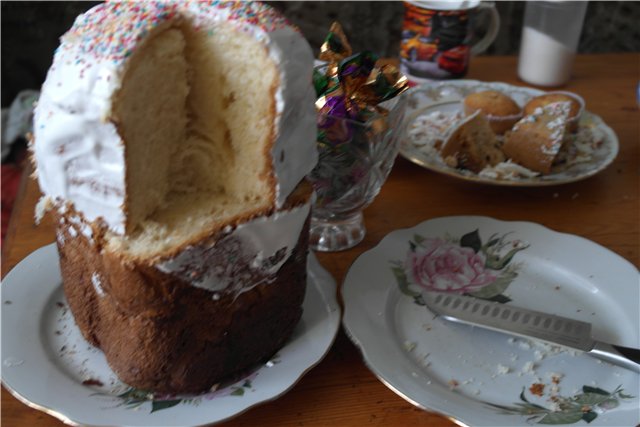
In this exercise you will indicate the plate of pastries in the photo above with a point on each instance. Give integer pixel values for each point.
(501, 134)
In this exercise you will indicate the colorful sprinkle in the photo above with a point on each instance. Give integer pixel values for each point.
(112, 30)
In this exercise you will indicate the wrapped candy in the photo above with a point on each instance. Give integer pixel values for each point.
(349, 89)
(360, 81)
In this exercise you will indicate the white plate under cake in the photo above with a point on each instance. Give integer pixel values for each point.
(47, 364)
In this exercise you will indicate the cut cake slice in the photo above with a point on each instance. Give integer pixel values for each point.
(472, 145)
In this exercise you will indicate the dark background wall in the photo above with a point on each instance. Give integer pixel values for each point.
(30, 31)
(609, 26)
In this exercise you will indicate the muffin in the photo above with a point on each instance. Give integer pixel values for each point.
(576, 104)
(501, 111)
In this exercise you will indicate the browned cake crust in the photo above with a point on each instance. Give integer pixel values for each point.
(526, 148)
(536, 140)
(501, 111)
(162, 334)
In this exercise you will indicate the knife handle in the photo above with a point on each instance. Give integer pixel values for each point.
(624, 357)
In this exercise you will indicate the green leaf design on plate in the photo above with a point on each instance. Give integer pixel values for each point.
(561, 418)
(403, 282)
(158, 405)
(134, 394)
(591, 399)
(495, 245)
(496, 263)
(596, 390)
(610, 403)
(493, 240)
(497, 287)
(239, 391)
(471, 240)
(589, 416)
(523, 397)
(568, 410)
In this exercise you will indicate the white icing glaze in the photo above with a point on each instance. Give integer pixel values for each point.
(264, 244)
(77, 221)
(45, 203)
(78, 151)
(507, 170)
(557, 118)
(294, 152)
(97, 284)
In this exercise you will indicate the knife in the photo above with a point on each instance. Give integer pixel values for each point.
(527, 323)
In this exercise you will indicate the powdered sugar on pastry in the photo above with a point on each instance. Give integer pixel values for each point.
(508, 171)
(431, 129)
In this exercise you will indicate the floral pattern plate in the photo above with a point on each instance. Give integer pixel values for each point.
(446, 97)
(47, 364)
(485, 378)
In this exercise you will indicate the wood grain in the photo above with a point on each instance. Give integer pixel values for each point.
(341, 390)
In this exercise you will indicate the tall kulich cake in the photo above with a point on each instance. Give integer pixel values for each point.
(171, 141)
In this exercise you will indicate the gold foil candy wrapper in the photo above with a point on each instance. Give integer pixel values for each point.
(335, 47)
(361, 79)
(350, 86)
(384, 83)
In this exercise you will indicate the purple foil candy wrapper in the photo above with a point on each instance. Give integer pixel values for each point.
(336, 105)
(333, 131)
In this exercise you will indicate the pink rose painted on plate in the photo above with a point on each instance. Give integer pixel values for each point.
(443, 266)
(465, 265)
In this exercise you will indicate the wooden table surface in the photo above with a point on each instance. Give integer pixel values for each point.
(341, 390)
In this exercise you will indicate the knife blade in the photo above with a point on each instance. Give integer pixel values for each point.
(527, 323)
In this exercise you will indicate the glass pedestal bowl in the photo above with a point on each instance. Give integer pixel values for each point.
(355, 159)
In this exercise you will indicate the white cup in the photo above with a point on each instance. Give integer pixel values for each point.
(549, 40)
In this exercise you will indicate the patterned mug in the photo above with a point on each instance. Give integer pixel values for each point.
(436, 38)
